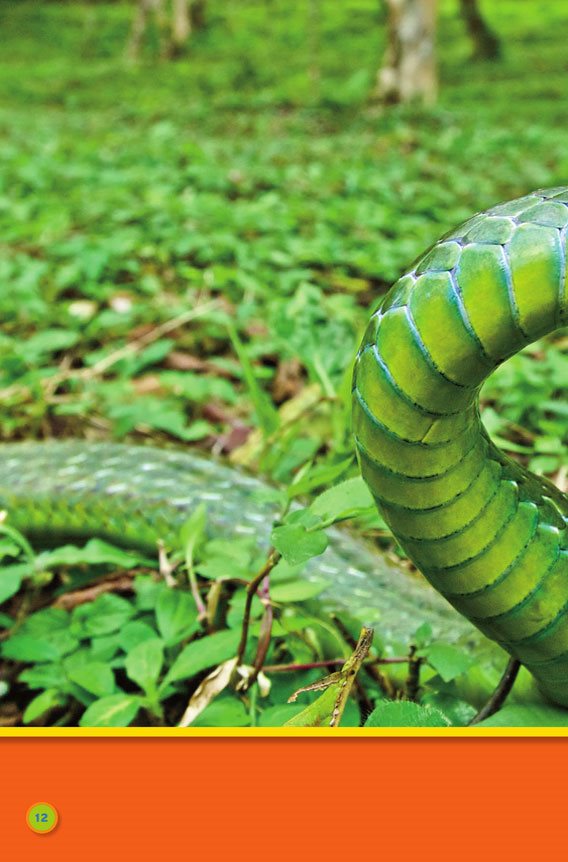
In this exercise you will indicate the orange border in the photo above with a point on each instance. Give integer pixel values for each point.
(305, 799)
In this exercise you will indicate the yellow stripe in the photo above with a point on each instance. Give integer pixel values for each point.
(279, 732)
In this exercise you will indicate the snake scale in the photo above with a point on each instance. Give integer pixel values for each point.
(489, 535)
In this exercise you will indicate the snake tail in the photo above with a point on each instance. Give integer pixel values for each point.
(488, 534)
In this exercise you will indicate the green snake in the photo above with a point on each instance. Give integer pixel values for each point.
(487, 534)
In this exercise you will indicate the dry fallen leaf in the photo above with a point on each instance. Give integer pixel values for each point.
(211, 686)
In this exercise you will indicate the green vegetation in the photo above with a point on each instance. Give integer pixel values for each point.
(188, 254)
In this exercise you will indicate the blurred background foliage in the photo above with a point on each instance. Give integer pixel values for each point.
(257, 177)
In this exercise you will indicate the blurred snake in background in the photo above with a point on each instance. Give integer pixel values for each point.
(489, 535)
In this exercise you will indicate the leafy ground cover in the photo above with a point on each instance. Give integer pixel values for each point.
(188, 254)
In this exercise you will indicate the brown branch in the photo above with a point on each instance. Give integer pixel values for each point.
(500, 694)
(413, 679)
(111, 584)
(252, 587)
(330, 662)
(265, 630)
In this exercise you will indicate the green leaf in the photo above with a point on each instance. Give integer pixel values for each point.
(203, 654)
(223, 712)
(105, 647)
(157, 413)
(193, 532)
(52, 625)
(144, 663)
(299, 590)
(44, 676)
(277, 716)
(116, 710)
(343, 501)
(448, 660)
(11, 578)
(50, 341)
(297, 545)
(527, 716)
(422, 635)
(266, 413)
(95, 677)
(107, 614)
(47, 623)
(196, 431)
(8, 548)
(176, 616)
(26, 648)
(147, 591)
(48, 699)
(94, 553)
(459, 712)
(134, 633)
(317, 477)
(400, 713)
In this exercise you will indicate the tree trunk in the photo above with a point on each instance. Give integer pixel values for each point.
(181, 25)
(409, 66)
(144, 9)
(486, 45)
(197, 14)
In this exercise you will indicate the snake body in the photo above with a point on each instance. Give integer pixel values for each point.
(489, 535)
(133, 496)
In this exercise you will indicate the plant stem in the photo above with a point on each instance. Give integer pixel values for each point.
(265, 630)
(330, 662)
(499, 696)
(194, 589)
(413, 679)
(252, 586)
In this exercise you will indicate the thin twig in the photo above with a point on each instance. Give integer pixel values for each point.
(214, 595)
(265, 630)
(499, 696)
(330, 662)
(413, 679)
(292, 668)
(252, 587)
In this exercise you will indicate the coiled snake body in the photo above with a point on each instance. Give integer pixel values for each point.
(489, 536)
